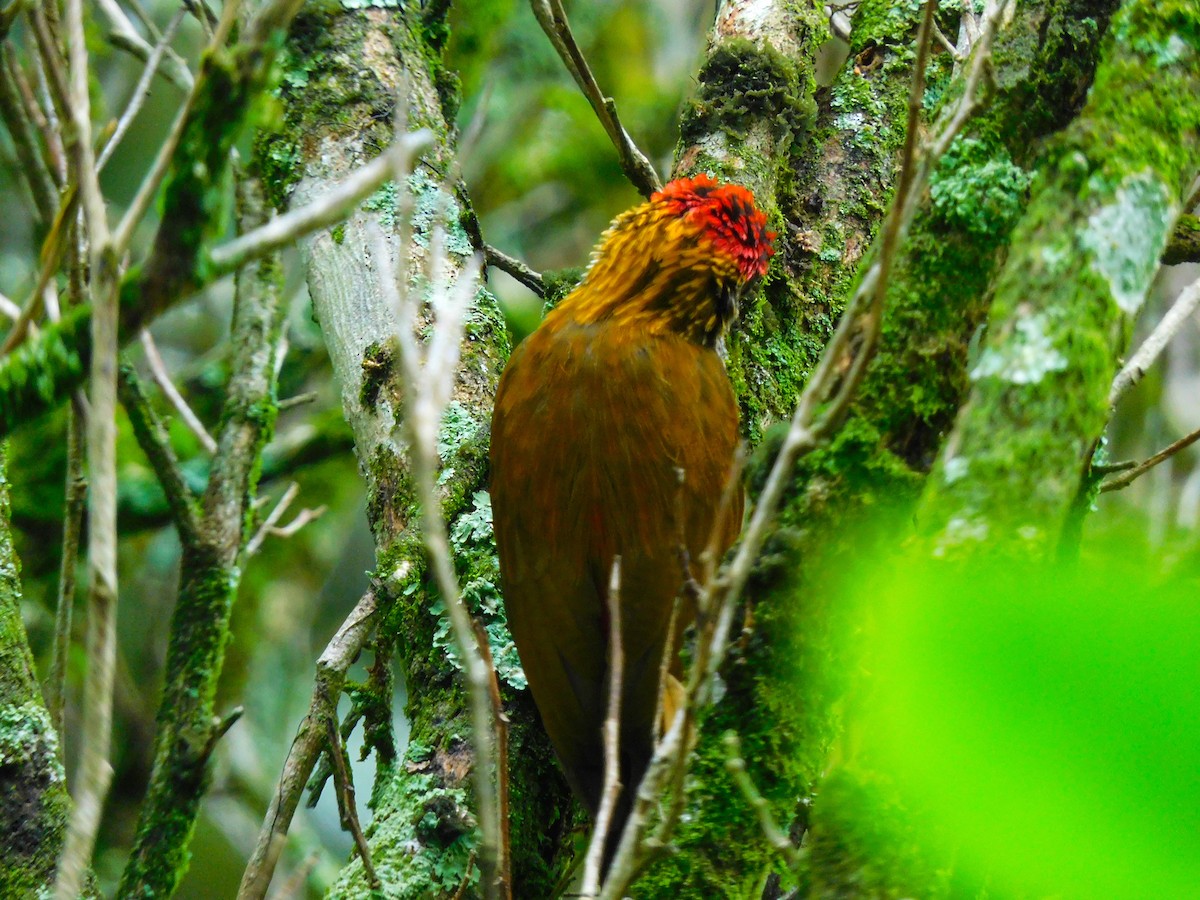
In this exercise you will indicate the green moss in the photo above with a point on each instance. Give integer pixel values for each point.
(744, 84)
(378, 367)
(559, 283)
(977, 187)
(338, 234)
(1088, 247)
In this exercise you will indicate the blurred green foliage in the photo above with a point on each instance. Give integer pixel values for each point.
(1040, 726)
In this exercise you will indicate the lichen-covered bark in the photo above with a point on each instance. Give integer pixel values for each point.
(861, 841)
(34, 803)
(1084, 256)
(344, 67)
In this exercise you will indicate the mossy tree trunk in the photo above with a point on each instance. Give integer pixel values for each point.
(350, 64)
(33, 783)
(1011, 436)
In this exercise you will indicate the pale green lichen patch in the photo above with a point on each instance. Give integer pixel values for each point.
(1025, 358)
(383, 201)
(433, 207)
(28, 736)
(956, 467)
(474, 542)
(458, 427)
(430, 839)
(1127, 236)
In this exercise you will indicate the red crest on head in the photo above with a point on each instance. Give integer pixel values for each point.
(728, 214)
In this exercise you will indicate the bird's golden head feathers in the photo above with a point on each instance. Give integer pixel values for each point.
(678, 262)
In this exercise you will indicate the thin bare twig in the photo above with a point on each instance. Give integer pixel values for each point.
(341, 651)
(95, 773)
(326, 210)
(637, 168)
(274, 516)
(166, 151)
(304, 517)
(298, 400)
(771, 831)
(1124, 479)
(73, 506)
(612, 738)
(514, 267)
(344, 785)
(141, 90)
(430, 375)
(18, 119)
(1135, 369)
(158, 369)
(125, 36)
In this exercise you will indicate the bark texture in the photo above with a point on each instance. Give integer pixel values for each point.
(33, 784)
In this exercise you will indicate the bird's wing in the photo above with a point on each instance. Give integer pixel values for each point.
(589, 427)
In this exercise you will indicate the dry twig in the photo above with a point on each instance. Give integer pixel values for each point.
(612, 739)
(775, 835)
(341, 651)
(344, 785)
(326, 210)
(553, 19)
(95, 773)
(158, 369)
(141, 90)
(514, 267)
(1130, 474)
(1135, 369)
(429, 376)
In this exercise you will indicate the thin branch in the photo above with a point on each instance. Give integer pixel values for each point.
(73, 506)
(754, 799)
(150, 184)
(612, 738)
(1124, 479)
(141, 90)
(344, 784)
(252, 547)
(1169, 326)
(326, 210)
(298, 400)
(53, 246)
(430, 377)
(19, 121)
(304, 517)
(637, 168)
(43, 110)
(158, 369)
(151, 435)
(341, 651)
(125, 36)
(514, 267)
(95, 773)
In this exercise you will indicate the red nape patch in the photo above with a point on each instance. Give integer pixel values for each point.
(727, 211)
